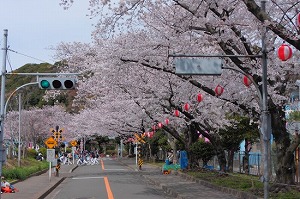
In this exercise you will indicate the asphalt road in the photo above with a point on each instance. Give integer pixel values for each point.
(108, 180)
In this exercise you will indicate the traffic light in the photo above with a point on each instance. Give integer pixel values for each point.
(57, 83)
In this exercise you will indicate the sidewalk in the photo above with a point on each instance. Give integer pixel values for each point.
(37, 187)
(181, 186)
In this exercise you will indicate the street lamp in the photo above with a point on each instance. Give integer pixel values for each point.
(19, 137)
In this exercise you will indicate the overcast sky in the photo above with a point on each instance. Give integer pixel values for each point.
(36, 25)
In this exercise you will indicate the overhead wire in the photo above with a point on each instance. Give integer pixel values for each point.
(27, 55)
(9, 62)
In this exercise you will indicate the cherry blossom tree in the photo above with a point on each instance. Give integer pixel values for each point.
(36, 124)
(129, 58)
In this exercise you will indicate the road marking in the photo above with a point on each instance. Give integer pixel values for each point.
(116, 169)
(107, 186)
(102, 164)
(83, 178)
(108, 189)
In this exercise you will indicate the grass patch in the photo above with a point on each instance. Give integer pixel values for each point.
(242, 182)
(246, 183)
(158, 164)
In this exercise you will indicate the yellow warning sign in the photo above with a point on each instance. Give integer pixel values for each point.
(73, 143)
(50, 142)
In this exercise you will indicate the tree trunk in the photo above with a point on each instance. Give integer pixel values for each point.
(221, 157)
(246, 158)
(285, 148)
(230, 160)
(215, 140)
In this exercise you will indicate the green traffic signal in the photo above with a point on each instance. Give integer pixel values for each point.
(45, 84)
(57, 83)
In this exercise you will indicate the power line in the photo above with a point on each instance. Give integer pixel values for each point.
(8, 60)
(27, 55)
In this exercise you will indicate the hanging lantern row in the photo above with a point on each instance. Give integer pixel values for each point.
(247, 82)
(154, 128)
(284, 52)
(148, 134)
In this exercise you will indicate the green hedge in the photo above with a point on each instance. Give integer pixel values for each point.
(32, 153)
(21, 173)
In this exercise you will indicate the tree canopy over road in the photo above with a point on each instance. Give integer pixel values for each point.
(129, 82)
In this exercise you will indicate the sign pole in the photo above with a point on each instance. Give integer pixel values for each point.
(49, 170)
(136, 155)
(73, 156)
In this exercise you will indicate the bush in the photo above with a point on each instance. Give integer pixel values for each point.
(32, 153)
(202, 150)
(69, 150)
(111, 152)
(43, 151)
(20, 173)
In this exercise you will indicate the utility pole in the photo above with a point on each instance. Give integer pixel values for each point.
(265, 114)
(2, 100)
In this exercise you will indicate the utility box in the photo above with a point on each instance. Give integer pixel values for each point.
(183, 160)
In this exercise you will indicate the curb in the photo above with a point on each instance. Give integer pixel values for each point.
(51, 188)
(56, 184)
(71, 170)
(164, 187)
(173, 193)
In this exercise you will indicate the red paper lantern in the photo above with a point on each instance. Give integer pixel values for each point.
(154, 128)
(199, 97)
(186, 107)
(176, 113)
(219, 90)
(160, 125)
(284, 52)
(247, 81)
(298, 20)
(150, 134)
(167, 121)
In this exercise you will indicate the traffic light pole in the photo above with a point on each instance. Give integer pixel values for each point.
(3, 105)
(2, 99)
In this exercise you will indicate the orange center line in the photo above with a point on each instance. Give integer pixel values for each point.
(108, 189)
(102, 164)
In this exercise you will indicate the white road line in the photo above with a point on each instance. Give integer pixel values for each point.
(83, 178)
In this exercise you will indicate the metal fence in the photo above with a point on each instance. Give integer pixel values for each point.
(254, 163)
